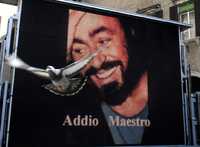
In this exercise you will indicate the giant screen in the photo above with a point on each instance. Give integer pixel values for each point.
(119, 83)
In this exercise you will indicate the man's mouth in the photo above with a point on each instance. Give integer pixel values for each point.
(105, 73)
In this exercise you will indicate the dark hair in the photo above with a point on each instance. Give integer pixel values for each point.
(138, 62)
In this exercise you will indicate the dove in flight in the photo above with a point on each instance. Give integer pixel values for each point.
(63, 80)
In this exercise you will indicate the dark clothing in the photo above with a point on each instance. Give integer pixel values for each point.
(125, 130)
(161, 132)
(40, 124)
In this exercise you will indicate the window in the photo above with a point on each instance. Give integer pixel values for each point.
(187, 15)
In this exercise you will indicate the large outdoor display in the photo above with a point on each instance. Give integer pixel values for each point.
(95, 77)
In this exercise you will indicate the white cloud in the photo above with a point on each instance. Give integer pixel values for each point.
(6, 11)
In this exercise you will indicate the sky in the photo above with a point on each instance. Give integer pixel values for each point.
(5, 12)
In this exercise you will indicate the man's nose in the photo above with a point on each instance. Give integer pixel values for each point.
(98, 60)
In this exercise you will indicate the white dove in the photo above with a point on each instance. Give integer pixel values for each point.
(63, 80)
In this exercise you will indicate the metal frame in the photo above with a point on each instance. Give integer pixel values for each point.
(194, 116)
(189, 116)
(95, 8)
(183, 65)
(190, 101)
(5, 83)
(14, 23)
(15, 47)
(2, 91)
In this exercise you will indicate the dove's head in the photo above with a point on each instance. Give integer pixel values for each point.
(54, 73)
(50, 68)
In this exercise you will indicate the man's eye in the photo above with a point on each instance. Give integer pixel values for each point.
(78, 52)
(104, 41)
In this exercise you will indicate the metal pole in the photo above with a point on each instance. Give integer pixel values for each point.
(3, 101)
(6, 83)
(194, 118)
(184, 89)
(2, 52)
(15, 47)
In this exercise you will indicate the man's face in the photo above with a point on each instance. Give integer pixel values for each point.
(91, 32)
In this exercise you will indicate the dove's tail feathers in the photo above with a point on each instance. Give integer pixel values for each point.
(75, 87)
(52, 88)
(16, 62)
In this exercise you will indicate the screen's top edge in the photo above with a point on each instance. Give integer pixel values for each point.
(90, 7)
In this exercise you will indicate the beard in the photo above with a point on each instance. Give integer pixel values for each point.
(113, 93)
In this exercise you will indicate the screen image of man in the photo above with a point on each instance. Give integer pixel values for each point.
(130, 91)
(124, 105)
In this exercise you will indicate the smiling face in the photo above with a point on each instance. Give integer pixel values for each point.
(92, 32)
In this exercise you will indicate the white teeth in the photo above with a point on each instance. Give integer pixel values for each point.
(102, 74)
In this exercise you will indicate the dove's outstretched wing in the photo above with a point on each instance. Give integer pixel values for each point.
(76, 85)
(18, 63)
(74, 68)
